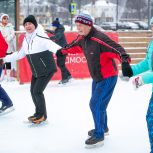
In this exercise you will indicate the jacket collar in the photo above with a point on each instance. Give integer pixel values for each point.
(91, 33)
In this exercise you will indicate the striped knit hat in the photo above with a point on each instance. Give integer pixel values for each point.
(84, 19)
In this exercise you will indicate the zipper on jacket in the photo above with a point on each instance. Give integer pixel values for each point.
(33, 65)
(85, 44)
(31, 44)
(30, 56)
(43, 62)
(114, 64)
(32, 62)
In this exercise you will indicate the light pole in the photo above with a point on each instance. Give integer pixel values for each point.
(71, 18)
(17, 9)
(72, 9)
(79, 6)
(93, 8)
(149, 15)
(28, 8)
(117, 14)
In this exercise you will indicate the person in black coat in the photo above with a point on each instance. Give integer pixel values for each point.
(59, 38)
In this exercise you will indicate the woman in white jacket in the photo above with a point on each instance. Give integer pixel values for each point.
(38, 49)
(8, 33)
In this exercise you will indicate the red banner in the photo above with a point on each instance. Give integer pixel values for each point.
(76, 64)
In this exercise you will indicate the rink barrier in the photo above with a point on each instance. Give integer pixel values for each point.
(135, 43)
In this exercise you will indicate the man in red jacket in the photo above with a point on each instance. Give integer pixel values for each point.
(7, 105)
(102, 55)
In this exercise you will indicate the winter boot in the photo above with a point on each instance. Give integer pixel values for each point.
(64, 81)
(38, 120)
(31, 118)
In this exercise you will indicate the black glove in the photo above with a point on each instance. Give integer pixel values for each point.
(125, 58)
(127, 70)
(50, 31)
(59, 53)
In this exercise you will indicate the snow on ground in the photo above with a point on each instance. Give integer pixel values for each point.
(69, 119)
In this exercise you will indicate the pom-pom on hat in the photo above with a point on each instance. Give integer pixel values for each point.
(31, 19)
(56, 23)
(84, 19)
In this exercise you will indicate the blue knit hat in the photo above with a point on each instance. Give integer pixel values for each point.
(56, 23)
(84, 19)
(151, 21)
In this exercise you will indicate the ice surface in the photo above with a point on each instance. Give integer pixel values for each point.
(69, 119)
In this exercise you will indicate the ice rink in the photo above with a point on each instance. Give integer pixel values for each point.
(69, 119)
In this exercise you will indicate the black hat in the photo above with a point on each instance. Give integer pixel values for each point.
(56, 23)
(31, 19)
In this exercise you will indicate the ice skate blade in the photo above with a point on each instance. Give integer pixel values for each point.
(106, 134)
(34, 125)
(7, 111)
(66, 83)
(97, 145)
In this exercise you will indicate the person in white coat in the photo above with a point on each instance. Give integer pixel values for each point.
(8, 33)
(38, 49)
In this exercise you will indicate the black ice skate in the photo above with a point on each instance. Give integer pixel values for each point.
(6, 109)
(91, 132)
(65, 81)
(94, 142)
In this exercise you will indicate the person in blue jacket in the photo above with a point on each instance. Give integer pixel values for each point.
(144, 75)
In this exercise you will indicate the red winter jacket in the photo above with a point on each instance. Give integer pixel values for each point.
(101, 52)
(3, 46)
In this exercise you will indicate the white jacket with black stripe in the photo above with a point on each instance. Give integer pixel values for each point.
(38, 50)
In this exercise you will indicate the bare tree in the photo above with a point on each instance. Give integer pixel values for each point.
(138, 7)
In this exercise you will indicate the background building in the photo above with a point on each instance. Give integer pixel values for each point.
(102, 10)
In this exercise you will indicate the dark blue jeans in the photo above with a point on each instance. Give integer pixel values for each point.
(149, 118)
(101, 94)
(4, 98)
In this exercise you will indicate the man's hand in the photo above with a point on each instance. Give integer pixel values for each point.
(127, 70)
(59, 53)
